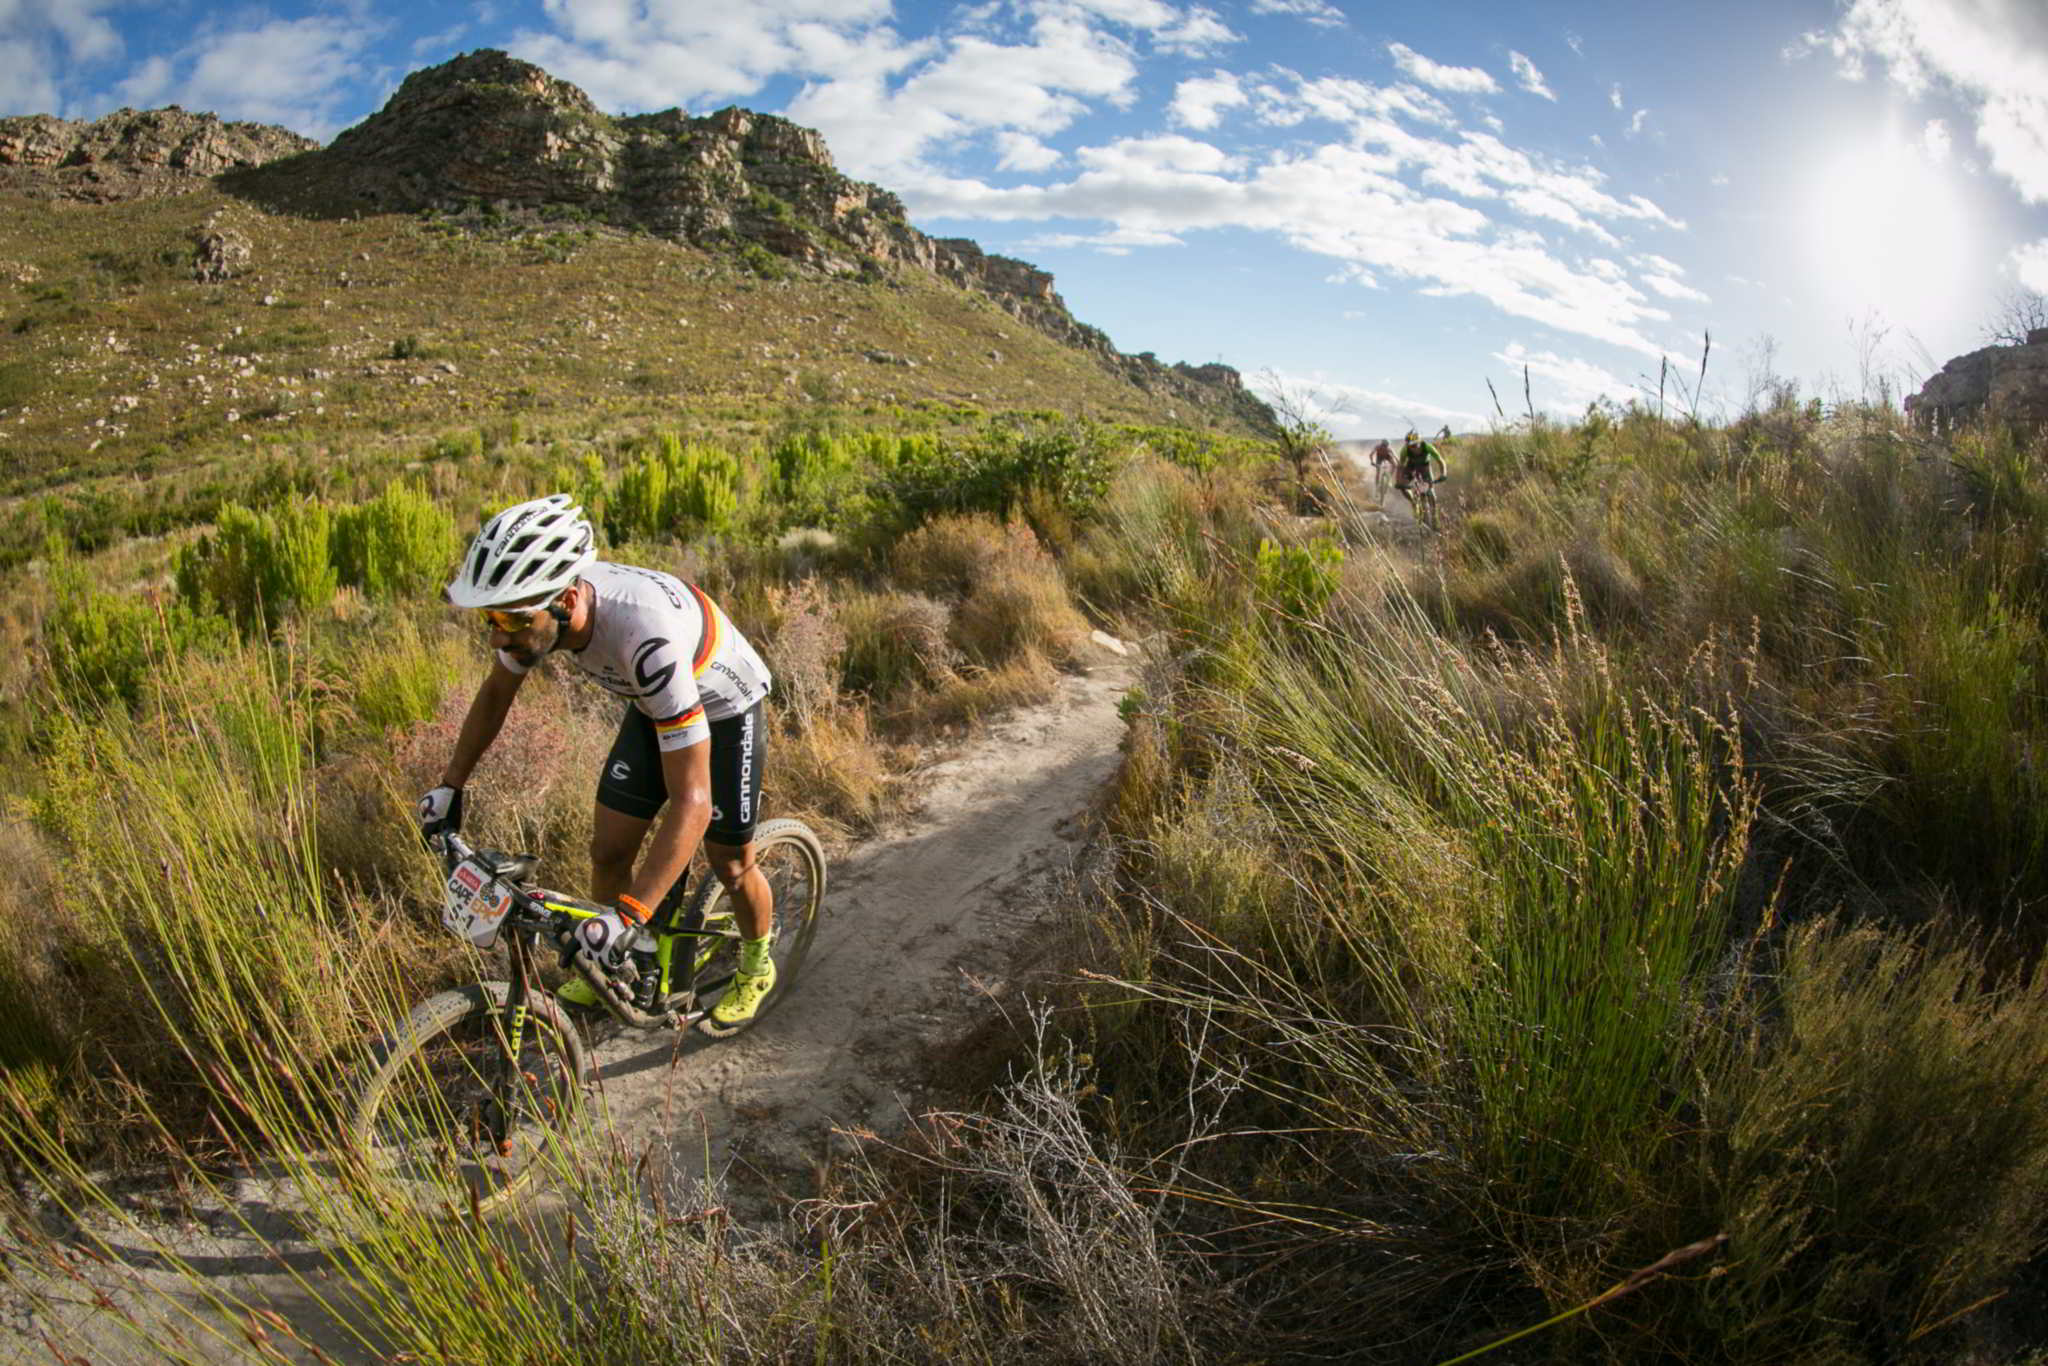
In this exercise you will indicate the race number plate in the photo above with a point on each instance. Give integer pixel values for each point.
(475, 909)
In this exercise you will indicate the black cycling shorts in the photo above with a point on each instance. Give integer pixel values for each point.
(631, 783)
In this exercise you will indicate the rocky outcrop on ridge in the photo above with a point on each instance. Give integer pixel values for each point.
(132, 154)
(2008, 383)
(490, 131)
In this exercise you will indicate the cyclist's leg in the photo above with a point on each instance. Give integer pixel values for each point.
(739, 755)
(630, 793)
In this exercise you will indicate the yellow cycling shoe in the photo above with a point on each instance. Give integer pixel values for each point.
(578, 994)
(741, 1003)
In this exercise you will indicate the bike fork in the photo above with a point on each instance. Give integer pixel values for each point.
(497, 1114)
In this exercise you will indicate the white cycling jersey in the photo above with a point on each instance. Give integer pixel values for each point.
(665, 645)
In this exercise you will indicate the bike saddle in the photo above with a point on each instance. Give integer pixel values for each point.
(512, 867)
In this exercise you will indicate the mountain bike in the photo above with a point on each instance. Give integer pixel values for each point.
(1423, 500)
(461, 1102)
(1382, 475)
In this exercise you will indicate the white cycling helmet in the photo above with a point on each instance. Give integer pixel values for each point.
(526, 552)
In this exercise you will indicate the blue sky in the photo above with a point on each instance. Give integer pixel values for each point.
(1378, 207)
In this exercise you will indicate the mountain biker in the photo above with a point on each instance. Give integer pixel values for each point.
(1382, 456)
(691, 736)
(1414, 462)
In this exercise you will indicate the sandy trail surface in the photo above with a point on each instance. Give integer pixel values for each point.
(922, 927)
(926, 927)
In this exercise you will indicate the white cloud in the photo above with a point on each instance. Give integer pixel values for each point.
(1197, 33)
(1529, 77)
(294, 72)
(1037, 85)
(2030, 265)
(1351, 411)
(1672, 289)
(1317, 12)
(1614, 95)
(1992, 55)
(1578, 382)
(1022, 152)
(438, 47)
(1165, 154)
(1464, 80)
(1576, 44)
(1117, 242)
(1199, 101)
(651, 54)
(1935, 141)
(1635, 125)
(43, 44)
(78, 24)
(27, 83)
(1342, 202)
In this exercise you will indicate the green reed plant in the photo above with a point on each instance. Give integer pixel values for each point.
(1872, 1139)
(192, 917)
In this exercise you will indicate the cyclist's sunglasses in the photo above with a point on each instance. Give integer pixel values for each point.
(511, 620)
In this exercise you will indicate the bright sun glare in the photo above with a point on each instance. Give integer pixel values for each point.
(1889, 230)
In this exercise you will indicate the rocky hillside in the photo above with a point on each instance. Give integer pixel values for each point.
(131, 154)
(2009, 383)
(489, 137)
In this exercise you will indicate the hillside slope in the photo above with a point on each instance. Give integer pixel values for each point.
(459, 259)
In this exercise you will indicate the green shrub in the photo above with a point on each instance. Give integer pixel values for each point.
(1298, 580)
(257, 567)
(399, 544)
(673, 491)
(814, 481)
(993, 472)
(107, 646)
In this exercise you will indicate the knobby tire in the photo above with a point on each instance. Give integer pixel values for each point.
(434, 1093)
(791, 857)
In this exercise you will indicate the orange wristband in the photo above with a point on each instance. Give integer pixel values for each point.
(632, 907)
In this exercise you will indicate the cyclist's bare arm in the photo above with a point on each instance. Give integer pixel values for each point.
(486, 717)
(680, 829)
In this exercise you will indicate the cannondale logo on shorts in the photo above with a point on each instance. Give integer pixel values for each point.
(621, 771)
(747, 770)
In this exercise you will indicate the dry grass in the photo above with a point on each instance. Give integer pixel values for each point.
(835, 773)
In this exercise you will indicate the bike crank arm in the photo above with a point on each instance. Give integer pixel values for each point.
(613, 997)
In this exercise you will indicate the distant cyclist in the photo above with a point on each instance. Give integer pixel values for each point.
(691, 738)
(1418, 460)
(1382, 462)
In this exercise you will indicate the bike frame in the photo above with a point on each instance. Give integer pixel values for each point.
(535, 911)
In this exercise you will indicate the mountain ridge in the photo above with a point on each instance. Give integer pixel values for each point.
(486, 131)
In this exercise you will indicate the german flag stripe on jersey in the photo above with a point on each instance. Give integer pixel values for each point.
(708, 640)
(677, 724)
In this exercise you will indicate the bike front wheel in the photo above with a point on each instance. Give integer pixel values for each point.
(450, 1120)
(790, 856)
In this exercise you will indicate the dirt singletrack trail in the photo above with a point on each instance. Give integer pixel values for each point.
(921, 926)
(923, 930)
